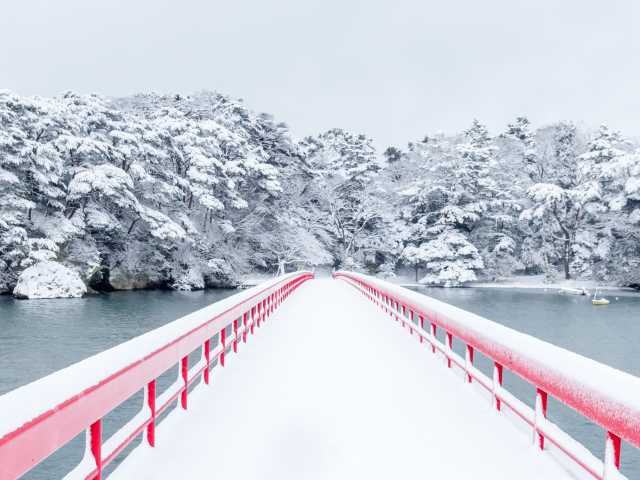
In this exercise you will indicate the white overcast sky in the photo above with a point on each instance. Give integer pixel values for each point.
(394, 70)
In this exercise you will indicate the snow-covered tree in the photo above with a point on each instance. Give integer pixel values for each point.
(441, 213)
(189, 191)
(558, 215)
(146, 190)
(345, 190)
(523, 143)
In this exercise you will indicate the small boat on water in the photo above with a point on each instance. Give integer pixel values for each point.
(599, 301)
(573, 291)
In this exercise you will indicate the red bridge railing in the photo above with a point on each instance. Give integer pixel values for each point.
(50, 412)
(605, 395)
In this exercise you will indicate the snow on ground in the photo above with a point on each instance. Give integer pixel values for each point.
(49, 279)
(521, 281)
(538, 281)
(331, 388)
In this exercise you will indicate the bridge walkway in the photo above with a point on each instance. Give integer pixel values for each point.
(331, 388)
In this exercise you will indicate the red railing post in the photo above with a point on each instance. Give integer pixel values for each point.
(421, 321)
(611, 456)
(497, 384)
(403, 310)
(245, 315)
(263, 312)
(207, 358)
(469, 362)
(151, 404)
(412, 319)
(449, 345)
(258, 313)
(540, 414)
(253, 318)
(434, 331)
(223, 342)
(235, 335)
(95, 443)
(184, 369)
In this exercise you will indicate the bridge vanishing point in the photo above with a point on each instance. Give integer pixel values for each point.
(350, 377)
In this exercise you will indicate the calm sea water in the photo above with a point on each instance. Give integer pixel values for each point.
(39, 337)
(609, 334)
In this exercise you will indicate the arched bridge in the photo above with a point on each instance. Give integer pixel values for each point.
(350, 377)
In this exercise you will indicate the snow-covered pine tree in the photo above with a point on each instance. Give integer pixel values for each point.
(523, 146)
(607, 249)
(564, 204)
(439, 218)
(490, 191)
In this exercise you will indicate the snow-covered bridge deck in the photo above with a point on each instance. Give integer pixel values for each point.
(331, 388)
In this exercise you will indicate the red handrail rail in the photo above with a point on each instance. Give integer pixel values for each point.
(605, 395)
(39, 431)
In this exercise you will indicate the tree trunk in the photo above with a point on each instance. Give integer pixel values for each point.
(133, 224)
(567, 251)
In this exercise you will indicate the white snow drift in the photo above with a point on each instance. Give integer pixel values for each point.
(49, 279)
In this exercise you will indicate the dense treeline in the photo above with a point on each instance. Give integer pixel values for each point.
(193, 191)
(557, 201)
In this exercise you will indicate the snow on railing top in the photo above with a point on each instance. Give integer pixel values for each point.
(25, 406)
(608, 396)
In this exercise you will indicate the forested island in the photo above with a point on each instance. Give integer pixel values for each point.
(194, 191)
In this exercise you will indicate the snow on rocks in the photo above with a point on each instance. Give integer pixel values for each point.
(49, 279)
(189, 279)
(219, 274)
